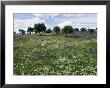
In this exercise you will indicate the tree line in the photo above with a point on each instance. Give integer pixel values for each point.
(67, 29)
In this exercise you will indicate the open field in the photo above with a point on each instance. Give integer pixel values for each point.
(52, 54)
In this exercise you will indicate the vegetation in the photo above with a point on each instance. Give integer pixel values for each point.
(76, 29)
(40, 27)
(30, 30)
(83, 29)
(48, 31)
(50, 54)
(68, 29)
(22, 31)
(56, 29)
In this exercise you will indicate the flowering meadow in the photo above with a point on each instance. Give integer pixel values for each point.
(51, 54)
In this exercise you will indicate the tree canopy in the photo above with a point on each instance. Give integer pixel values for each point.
(76, 29)
(68, 29)
(48, 30)
(56, 29)
(22, 31)
(40, 27)
(30, 30)
(83, 29)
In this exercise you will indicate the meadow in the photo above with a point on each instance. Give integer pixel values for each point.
(51, 54)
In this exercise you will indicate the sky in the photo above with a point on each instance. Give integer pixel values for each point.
(76, 20)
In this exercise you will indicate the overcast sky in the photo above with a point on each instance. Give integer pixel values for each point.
(25, 20)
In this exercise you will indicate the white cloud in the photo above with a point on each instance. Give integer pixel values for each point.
(73, 15)
(69, 22)
(76, 24)
(54, 15)
(45, 15)
(25, 23)
(36, 15)
(64, 23)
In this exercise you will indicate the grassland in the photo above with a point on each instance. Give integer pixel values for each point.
(52, 54)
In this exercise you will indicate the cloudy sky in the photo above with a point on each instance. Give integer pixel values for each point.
(25, 20)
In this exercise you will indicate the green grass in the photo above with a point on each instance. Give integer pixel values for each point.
(55, 54)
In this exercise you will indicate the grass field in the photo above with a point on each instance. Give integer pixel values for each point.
(52, 54)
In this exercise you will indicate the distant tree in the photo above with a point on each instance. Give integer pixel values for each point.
(30, 30)
(22, 31)
(36, 28)
(40, 27)
(68, 29)
(83, 29)
(56, 29)
(43, 27)
(48, 30)
(88, 29)
(91, 31)
(76, 29)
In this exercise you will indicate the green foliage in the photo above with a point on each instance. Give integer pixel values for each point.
(30, 30)
(22, 31)
(55, 55)
(68, 29)
(56, 29)
(83, 29)
(48, 31)
(40, 27)
(91, 31)
(76, 29)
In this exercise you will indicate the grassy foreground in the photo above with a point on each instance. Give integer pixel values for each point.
(55, 55)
